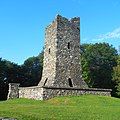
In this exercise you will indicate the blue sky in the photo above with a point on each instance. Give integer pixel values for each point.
(22, 24)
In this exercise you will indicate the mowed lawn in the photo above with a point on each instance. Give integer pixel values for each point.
(86, 107)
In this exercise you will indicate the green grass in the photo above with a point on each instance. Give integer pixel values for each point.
(86, 107)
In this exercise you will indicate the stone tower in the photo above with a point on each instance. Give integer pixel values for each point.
(62, 54)
(62, 70)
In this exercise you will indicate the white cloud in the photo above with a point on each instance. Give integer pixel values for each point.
(115, 34)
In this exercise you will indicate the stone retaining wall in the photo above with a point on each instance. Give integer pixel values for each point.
(50, 92)
(31, 92)
(13, 91)
(44, 93)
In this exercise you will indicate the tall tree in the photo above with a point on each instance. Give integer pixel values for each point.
(3, 80)
(32, 68)
(13, 72)
(116, 78)
(9, 73)
(98, 61)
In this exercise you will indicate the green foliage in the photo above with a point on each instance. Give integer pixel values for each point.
(3, 69)
(9, 72)
(32, 68)
(14, 72)
(41, 57)
(97, 62)
(86, 107)
(116, 78)
(28, 74)
(3, 80)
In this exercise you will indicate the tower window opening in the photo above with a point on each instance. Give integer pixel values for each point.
(78, 28)
(49, 50)
(68, 45)
(45, 82)
(70, 82)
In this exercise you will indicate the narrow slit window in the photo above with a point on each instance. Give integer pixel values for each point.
(68, 45)
(78, 28)
(49, 50)
(45, 81)
(70, 82)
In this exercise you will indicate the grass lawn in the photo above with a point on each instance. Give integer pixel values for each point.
(86, 107)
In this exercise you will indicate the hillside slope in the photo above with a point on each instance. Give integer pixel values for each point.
(86, 107)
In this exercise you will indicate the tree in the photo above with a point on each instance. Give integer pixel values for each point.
(116, 78)
(9, 73)
(97, 62)
(13, 72)
(3, 80)
(32, 68)
(28, 74)
(41, 57)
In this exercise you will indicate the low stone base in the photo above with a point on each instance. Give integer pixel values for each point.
(13, 91)
(31, 92)
(44, 93)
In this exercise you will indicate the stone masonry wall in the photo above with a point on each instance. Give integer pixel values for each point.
(13, 91)
(45, 93)
(49, 66)
(31, 92)
(68, 53)
(50, 92)
(62, 54)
